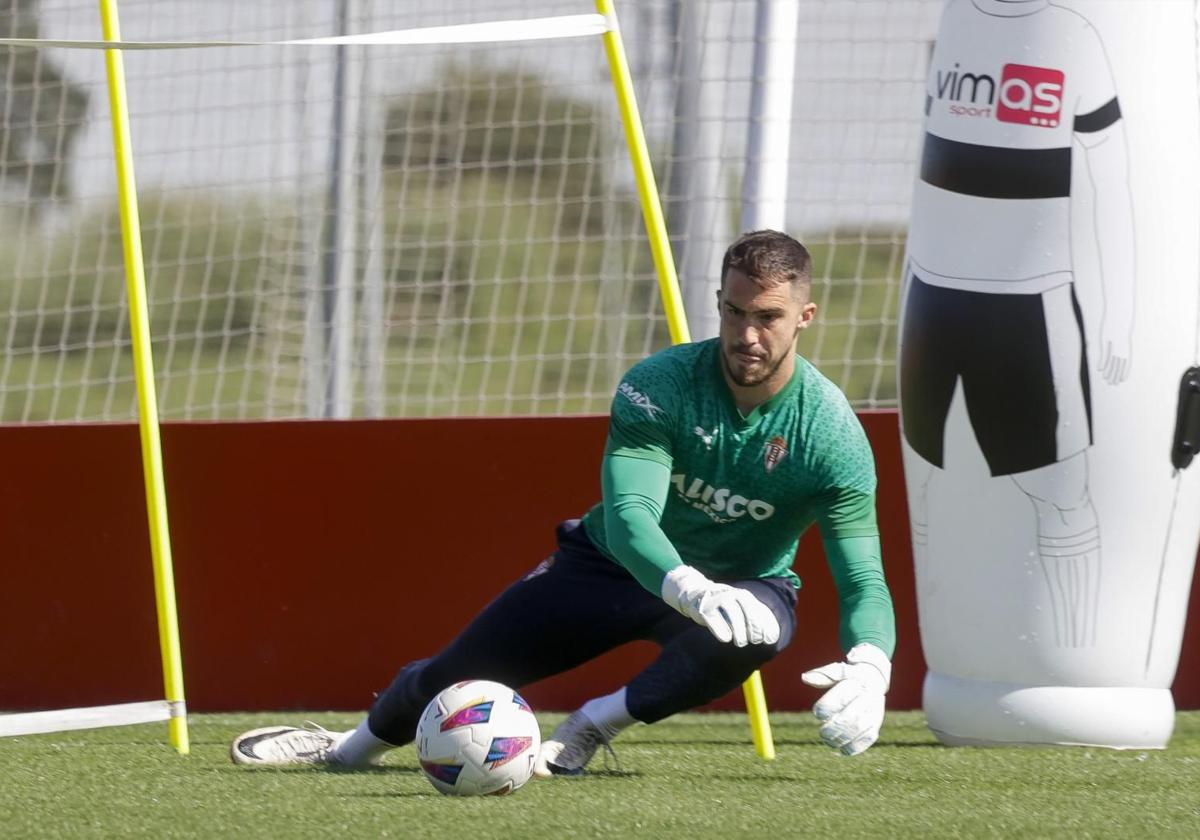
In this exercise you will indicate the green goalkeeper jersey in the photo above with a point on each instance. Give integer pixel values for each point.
(741, 489)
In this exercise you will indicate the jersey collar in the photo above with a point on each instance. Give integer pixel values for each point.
(761, 410)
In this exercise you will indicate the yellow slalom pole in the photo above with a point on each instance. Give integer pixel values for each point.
(668, 284)
(139, 323)
(756, 708)
(656, 226)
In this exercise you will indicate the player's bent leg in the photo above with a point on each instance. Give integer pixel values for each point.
(694, 668)
(359, 748)
(574, 606)
(568, 750)
(570, 609)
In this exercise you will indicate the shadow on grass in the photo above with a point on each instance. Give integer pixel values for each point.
(774, 778)
(599, 774)
(928, 745)
(779, 742)
(413, 794)
(607, 774)
(385, 770)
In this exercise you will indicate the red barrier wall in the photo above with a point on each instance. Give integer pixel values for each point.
(314, 558)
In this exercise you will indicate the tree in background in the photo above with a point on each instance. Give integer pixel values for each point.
(500, 212)
(42, 110)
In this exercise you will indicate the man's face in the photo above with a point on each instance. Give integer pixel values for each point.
(759, 328)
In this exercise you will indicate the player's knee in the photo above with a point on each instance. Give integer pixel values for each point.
(782, 606)
(740, 662)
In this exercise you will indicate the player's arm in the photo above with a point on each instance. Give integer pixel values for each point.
(850, 534)
(852, 709)
(635, 492)
(635, 474)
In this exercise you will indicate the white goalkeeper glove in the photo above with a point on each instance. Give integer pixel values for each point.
(729, 613)
(852, 710)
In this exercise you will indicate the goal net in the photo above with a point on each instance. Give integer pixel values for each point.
(424, 230)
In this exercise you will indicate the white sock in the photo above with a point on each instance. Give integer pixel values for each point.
(609, 713)
(359, 748)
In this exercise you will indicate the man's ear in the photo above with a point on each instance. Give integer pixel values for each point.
(807, 313)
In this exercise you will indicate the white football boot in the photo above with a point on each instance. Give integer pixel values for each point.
(283, 746)
(570, 748)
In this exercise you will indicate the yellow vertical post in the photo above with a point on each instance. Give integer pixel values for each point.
(668, 284)
(139, 323)
(635, 137)
(760, 724)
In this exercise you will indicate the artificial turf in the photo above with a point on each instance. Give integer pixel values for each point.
(691, 776)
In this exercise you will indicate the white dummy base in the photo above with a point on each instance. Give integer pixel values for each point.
(964, 712)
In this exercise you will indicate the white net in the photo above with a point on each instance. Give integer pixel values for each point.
(423, 230)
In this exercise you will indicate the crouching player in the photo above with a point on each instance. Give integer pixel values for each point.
(720, 454)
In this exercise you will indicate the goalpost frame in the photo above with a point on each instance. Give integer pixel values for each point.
(668, 284)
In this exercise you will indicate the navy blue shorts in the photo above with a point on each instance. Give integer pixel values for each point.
(573, 607)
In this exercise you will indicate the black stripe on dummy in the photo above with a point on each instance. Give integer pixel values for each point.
(995, 172)
(1100, 119)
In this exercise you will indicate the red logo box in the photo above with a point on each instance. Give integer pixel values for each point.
(1030, 95)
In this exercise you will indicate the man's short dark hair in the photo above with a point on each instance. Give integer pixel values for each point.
(769, 258)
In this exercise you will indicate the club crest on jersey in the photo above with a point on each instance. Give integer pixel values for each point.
(775, 451)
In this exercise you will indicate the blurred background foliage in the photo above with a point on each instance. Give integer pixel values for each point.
(43, 113)
(475, 291)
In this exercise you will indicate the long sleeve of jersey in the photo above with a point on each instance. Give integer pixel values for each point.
(635, 491)
(851, 539)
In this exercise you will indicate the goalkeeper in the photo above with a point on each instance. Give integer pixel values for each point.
(720, 454)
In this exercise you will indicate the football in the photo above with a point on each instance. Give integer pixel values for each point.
(478, 738)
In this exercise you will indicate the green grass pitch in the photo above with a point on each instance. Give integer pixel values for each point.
(692, 776)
